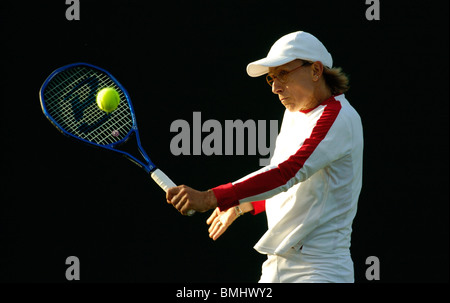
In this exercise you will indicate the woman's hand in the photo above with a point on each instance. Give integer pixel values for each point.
(185, 198)
(220, 221)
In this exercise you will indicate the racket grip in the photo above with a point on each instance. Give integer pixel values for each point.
(165, 183)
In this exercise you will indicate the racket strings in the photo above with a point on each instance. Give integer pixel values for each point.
(71, 101)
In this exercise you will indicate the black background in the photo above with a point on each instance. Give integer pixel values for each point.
(61, 199)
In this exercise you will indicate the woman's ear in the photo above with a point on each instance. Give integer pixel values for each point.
(316, 70)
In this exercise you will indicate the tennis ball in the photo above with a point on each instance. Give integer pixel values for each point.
(108, 99)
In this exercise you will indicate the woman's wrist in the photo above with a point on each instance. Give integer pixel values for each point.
(246, 207)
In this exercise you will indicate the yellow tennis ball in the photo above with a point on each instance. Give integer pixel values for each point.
(108, 99)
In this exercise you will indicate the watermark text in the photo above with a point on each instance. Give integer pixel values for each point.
(233, 138)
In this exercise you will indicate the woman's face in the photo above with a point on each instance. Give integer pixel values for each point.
(295, 83)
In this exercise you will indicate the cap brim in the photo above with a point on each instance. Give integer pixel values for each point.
(261, 67)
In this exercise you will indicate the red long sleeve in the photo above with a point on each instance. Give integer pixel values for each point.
(258, 207)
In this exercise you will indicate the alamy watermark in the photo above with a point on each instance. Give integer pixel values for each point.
(373, 11)
(233, 138)
(73, 271)
(73, 11)
(373, 271)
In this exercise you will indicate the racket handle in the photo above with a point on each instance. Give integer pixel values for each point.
(165, 183)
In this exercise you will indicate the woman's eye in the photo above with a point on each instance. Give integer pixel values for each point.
(282, 74)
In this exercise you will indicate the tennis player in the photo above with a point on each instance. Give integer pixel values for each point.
(310, 189)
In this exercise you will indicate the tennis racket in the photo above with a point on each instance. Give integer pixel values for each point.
(68, 100)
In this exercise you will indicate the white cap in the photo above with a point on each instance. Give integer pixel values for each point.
(297, 45)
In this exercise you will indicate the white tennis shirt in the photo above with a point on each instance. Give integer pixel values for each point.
(312, 185)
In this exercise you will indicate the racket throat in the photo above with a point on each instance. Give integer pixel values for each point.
(133, 150)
